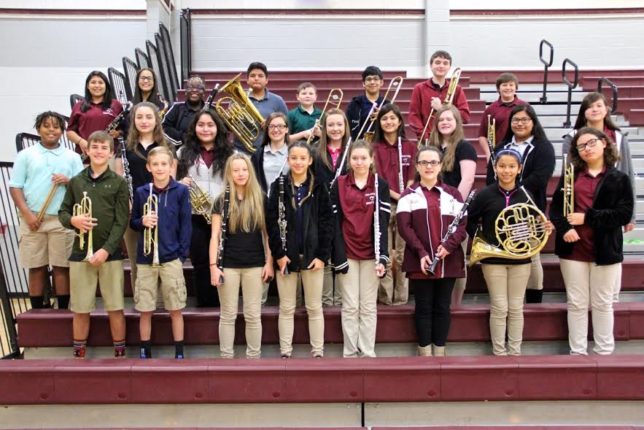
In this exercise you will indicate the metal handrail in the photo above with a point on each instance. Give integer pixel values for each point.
(186, 44)
(614, 90)
(571, 86)
(546, 65)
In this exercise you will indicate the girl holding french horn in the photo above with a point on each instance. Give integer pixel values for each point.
(593, 202)
(505, 211)
(431, 221)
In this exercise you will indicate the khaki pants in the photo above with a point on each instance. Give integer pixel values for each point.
(286, 287)
(359, 308)
(618, 284)
(589, 286)
(251, 283)
(506, 285)
(130, 238)
(396, 291)
(535, 282)
(331, 288)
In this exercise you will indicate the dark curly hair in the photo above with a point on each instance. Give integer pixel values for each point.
(610, 152)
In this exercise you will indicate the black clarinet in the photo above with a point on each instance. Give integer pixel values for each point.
(281, 218)
(126, 168)
(208, 104)
(451, 229)
(222, 235)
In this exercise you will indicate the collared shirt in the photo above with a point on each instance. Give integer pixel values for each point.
(274, 163)
(299, 193)
(585, 187)
(95, 118)
(388, 163)
(300, 120)
(500, 112)
(358, 205)
(137, 161)
(266, 106)
(334, 153)
(208, 156)
(32, 172)
(521, 147)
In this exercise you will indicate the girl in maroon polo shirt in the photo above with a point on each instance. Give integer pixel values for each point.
(425, 211)
(354, 255)
(201, 161)
(95, 112)
(589, 241)
(458, 167)
(330, 163)
(394, 160)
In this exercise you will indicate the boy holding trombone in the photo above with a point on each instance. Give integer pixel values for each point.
(96, 204)
(161, 211)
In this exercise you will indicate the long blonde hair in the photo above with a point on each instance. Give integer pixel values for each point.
(436, 138)
(246, 215)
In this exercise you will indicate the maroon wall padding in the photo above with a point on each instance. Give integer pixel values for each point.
(403, 379)
(543, 322)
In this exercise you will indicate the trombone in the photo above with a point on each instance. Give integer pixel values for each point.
(151, 234)
(396, 85)
(449, 99)
(84, 209)
(335, 96)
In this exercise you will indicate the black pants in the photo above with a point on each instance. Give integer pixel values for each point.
(433, 301)
(199, 247)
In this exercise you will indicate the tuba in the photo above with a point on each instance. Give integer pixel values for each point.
(568, 187)
(449, 99)
(151, 234)
(520, 230)
(200, 200)
(84, 208)
(239, 113)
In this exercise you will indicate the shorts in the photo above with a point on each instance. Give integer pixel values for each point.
(83, 280)
(51, 245)
(173, 286)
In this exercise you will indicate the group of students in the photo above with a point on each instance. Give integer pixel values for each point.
(332, 217)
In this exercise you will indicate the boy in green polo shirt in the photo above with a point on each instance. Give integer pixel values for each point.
(302, 120)
(101, 223)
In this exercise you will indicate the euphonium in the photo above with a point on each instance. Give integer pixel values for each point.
(449, 99)
(200, 200)
(84, 208)
(396, 85)
(239, 113)
(568, 187)
(335, 99)
(520, 230)
(151, 234)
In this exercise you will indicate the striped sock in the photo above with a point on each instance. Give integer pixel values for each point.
(119, 348)
(80, 348)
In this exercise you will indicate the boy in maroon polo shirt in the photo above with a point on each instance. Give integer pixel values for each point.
(507, 85)
(432, 93)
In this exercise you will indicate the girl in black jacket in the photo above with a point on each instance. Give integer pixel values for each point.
(300, 229)
(589, 240)
(526, 135)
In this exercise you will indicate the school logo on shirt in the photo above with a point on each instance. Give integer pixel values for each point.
(109, 112)
(406, 160)
(370, 198)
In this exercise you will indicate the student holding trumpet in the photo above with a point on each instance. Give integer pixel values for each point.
(40, 175)
(162, 213)
(96, 204)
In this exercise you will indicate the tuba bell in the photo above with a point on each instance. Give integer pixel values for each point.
(520, 230)
(239, 113)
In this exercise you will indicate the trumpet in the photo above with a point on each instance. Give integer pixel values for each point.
(568, 187)
(335, 96)
(449, 99)
(200, 200)
(396, 85)
(84, 209)
(45, 205)
(151, 234)
(239, 113)
(520, 230)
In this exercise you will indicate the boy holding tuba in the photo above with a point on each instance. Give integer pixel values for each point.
(96, 204)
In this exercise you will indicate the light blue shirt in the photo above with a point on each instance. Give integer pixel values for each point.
(274, 163)
(32, 173)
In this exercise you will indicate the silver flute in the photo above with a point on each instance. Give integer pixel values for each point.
(376, 222)
(401, 182)
(222, 235)
(126, 168)
(281, 218)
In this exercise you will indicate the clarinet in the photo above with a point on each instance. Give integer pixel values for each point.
(376, 221)
(126, 169)
(222, 238)
(281, 218)
(208, 103)
(451, 229)
(401, 183)
(116, 122)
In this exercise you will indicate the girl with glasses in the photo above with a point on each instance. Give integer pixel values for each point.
(528, 138)
(589, 240)
(425, 211)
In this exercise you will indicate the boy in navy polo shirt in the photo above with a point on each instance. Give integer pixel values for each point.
(360, 106)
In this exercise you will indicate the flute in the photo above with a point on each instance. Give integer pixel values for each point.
(401, 183)
(376, 222)
(451, 229)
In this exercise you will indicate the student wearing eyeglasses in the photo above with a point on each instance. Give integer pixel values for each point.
(528, 138)
(425, 211)
(589, 240)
